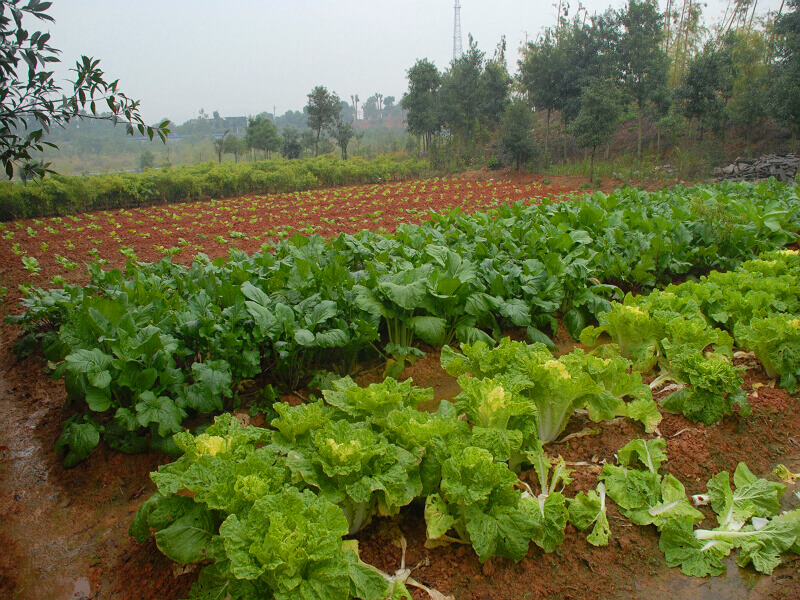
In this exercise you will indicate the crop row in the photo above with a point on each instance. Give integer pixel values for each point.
(59, 245)
(64, 195)
(142, 350)
(265, 510)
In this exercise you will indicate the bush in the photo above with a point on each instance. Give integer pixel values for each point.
(61, 195)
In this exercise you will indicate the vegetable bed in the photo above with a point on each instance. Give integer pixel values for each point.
(177, 342)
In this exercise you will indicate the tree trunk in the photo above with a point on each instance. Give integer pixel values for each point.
(639, 141)
(547, 132)
(316, 145)
(747, 136)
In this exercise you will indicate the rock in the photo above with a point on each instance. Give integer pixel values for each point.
(781, 167)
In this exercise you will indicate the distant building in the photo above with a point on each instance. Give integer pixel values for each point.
(236, 125)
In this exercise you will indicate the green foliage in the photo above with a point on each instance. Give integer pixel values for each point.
(32, 102)
(516, 135)
(775, 341)
(59, 195)
(520, 386)
(644, 496)
(157, 343)
(700, 552)
(323, 109)
(262, 134)
(601, 110)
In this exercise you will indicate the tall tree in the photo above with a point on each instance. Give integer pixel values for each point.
(496, 83)
(342, 132)
(751, 82)
(542, 72)
(707, 87)
(219, 146)
(291, 148)
(323, 107)
(462, 93)
(786, 71)
(31, 102)
(262, 134)
(600, 112)
(421, 101)
(236, 146)
(516, 134)
(644, 62)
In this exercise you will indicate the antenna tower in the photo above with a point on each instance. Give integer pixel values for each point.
(457, 50)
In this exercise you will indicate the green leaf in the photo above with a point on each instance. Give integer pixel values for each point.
(575, 322)
(429, 329)
(438, 520)
(159, 410)
(80, 438)
(188, 539)
(589, 510)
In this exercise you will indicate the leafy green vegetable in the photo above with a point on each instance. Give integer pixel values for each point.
(80, 437)
(589, 510)
(775, 340)
(644, 496)
(478, 501)
(711, 384)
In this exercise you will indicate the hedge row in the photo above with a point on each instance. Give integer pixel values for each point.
(62, 195)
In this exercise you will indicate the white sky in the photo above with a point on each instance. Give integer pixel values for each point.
(242, 57)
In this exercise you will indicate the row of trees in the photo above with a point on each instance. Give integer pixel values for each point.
(324, 114)
(590, 71)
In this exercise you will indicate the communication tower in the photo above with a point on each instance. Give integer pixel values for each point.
(457, 50)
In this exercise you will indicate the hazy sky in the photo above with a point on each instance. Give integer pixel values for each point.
(242, 57)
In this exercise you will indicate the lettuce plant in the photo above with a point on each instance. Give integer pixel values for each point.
(350, 464)
(643, 495)
(775, 341)
(747, 518)
(589, 510)
(479, 502)
(710, 384)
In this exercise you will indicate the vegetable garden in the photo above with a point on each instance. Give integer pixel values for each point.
(685, 302)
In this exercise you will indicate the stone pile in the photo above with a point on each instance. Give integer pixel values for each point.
(782, 167)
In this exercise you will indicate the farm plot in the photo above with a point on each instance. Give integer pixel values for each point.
(146, 353)
(38, 249)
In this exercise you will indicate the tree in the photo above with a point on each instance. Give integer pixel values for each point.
(234, 145)
(421, 101)
(308, 140)
(462, 95)
(342, 132)
(644, 63)
(370, 108)
(541, 72)
(147, 160)
(786, 71)
(31, 102)
(323, 108)
(601, 110)
(219, 145)
(516, 136)
(262, 134)
(707, 87)
(496, 83)
(750, 83)
(291, 148)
